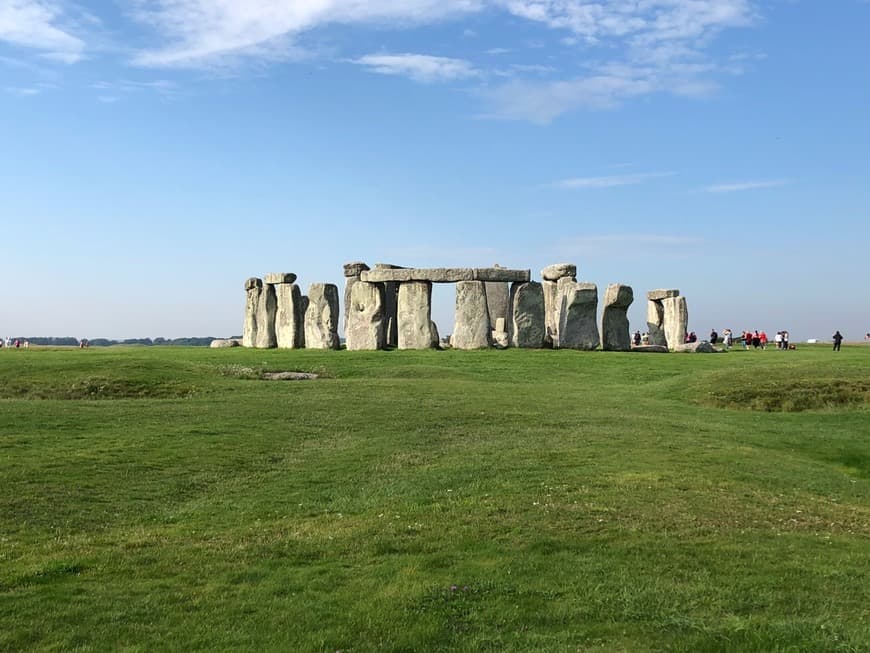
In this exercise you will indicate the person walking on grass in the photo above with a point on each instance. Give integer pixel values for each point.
(838, 338)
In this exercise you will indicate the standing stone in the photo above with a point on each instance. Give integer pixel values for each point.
(351, 276)
(526, 325)
(391, 305)
(436, 338)
(267, 307)
(500, 338)
(615, 334)
(578, 327)
(253, 288)
(472, 328)
(655, 323)
(552, 305)
(415, 315)
(321, 317)
(676, 320)
(365, 318)
(497, 298)
(289, 318)
(655, 315)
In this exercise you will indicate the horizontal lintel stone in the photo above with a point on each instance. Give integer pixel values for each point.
(445, 275)
(279, 277)
(658, 295)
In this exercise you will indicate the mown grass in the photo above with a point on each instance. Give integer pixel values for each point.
(169, 499)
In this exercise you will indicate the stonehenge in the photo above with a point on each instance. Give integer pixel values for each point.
(390, 306)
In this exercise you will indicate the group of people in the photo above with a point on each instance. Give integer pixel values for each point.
(9, 343)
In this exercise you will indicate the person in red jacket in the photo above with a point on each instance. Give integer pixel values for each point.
(762, 338)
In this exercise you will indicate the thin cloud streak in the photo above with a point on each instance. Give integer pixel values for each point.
(419, 67)
(609, 181)
(745, 185)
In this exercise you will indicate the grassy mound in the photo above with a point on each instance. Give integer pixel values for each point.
(778, 392)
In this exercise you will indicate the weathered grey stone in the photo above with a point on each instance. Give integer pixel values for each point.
(578, 326)
(700, 347)
(500, 339)
(658, 295)
(559, 271)
(253, 290)
(502, 274)
(279, 277)
(526, 325)
(267, 308)
(552, 306)
(497, 298)
(289, 317)
(391, 312)
(223, 343)
(615, 334)
(321, 317)
(651, 349)
(415, 315)
(389, 266)
(348, 286)
(444, 275)
(655, 323)
(355, 268)
(472, 328)
(365, 322)
(436, 338)
(500, 324)
(676, 321)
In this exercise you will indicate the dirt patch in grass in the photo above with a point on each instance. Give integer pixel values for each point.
(792, 396)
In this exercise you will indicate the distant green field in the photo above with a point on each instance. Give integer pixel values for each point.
(169, 499)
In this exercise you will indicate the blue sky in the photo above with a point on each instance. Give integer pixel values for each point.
(157, 153)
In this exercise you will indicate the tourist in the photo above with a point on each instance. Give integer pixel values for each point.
(714, 337)
(637, 338)
(778, 339)
(838, 338)
(762, 339)
(785, 340)
(747, 339)
(756, 340)
(693, 337)
(644, 339)
(728, 339)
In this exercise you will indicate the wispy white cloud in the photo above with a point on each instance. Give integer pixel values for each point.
(203, 32)
(419, 67)
(40, 25)
(745, 185)
(23, 91)
(608, 181)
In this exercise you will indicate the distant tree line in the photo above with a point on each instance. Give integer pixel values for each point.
(106, 342)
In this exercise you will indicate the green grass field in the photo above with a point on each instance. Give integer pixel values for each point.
(168, 499)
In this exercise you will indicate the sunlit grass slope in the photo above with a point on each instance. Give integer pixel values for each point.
(168, 499)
